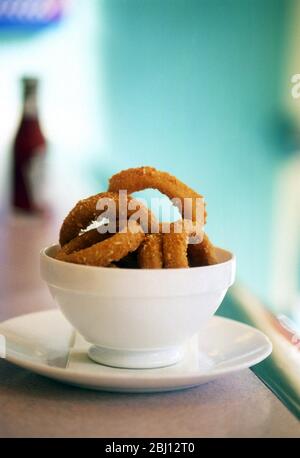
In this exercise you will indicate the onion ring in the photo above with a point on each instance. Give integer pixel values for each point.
(202, 254)
(110, 250)
(175, 250)
(194, 230)
(137, 179)
(150, 252)
(82, 241)
(86, 211)
(175, 243)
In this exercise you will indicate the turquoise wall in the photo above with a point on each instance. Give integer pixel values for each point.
(191, 87)
(188, 86)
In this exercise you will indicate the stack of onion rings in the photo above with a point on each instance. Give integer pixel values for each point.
(136, 244)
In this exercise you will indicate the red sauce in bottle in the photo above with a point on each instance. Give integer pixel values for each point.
(29, 150)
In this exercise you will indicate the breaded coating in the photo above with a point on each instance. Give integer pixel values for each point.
(85, 212)
(175, 250)
(137, 179)
(138, 239)
(110, 250)
(202, 254)
(150, 253)
(82, 241)
(192, 229)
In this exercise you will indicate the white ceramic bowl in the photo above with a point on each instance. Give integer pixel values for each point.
(137, 318)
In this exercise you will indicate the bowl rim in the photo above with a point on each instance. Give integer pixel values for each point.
(108, 282)
(70, 265)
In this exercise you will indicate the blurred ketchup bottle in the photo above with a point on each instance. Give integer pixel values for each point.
(29, 151)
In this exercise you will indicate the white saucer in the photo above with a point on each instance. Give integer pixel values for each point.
(45, 343)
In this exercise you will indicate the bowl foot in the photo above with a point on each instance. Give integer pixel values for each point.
(135, 359)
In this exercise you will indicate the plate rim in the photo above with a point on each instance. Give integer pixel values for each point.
(121, 380)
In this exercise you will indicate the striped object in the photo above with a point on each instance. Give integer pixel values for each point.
(30, 12)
